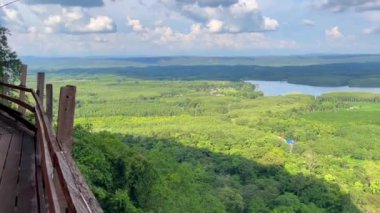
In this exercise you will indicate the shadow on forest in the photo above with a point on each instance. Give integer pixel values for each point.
(162, 175)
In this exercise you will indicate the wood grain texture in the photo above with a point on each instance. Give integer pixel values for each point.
(41, 86)
(66, 113)
(27, 185)
(10, 175)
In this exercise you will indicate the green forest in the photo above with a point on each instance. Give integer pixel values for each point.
(339, 74)
(148, 145)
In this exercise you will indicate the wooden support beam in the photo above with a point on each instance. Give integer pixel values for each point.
(41, 86)
(49, 102)
(66, 117)
(23, 74)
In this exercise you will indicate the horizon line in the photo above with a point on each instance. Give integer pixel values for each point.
(201, 56)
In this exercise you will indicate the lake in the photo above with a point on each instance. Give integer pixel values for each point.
(276, 88)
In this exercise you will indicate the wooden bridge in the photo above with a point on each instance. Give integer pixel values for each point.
(37, 172)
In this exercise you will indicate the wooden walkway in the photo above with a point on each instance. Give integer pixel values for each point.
(37, 171)
(18, 185)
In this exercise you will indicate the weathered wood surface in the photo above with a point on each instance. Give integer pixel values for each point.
(27, 186)
(41, 86)
(56, 184)
(49, 102)
(66, 117)
(18, 192)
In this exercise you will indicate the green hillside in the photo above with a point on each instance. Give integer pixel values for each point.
(218, 146)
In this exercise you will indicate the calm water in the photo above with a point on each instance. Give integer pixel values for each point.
(275, 88)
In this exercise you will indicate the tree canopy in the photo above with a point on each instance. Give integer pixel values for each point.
(10, 64)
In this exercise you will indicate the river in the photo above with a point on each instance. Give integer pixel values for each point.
(276, 88)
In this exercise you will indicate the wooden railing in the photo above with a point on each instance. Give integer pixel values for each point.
(61, 187)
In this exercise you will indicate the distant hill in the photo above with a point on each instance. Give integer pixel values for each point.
(314, 70)
(350, 74)
(51, 64)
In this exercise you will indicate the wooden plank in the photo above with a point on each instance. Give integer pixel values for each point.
(76, 201)
(66, 113)
(27, 191)
(23, 74)
(47, 168)
(81, 188)
(4, 147)
(10, 175)
(40, 184)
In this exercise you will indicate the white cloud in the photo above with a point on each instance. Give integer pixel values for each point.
(270, 24)
(308, 23)
(334, 33)
(195, 29)
(244, 6)
(134, 24)
(49, 30)
(74, 14)
(76, 21)
(210, 36)
(237, 16)
(215, 26)
(11, 15)
(99, 24)
(53, 20)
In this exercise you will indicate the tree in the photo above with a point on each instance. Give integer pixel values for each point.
(10, 64)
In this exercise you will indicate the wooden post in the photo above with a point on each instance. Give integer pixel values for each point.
(49, 102)
(66, 117)
(23, 74)
(41, 86)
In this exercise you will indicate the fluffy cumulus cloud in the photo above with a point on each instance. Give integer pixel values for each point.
(334, 33)
(344, 5)
(14, 18)
(102, 24)
(134, 24)
(80, 3)
(77, 21)
(11, 15)
(224, 16)
(167, 37)
(215, 26)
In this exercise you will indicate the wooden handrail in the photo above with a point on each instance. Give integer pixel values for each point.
(18, 102)
(21, 88)
(59, 173)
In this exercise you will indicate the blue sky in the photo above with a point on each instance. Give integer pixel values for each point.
(192, 27)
